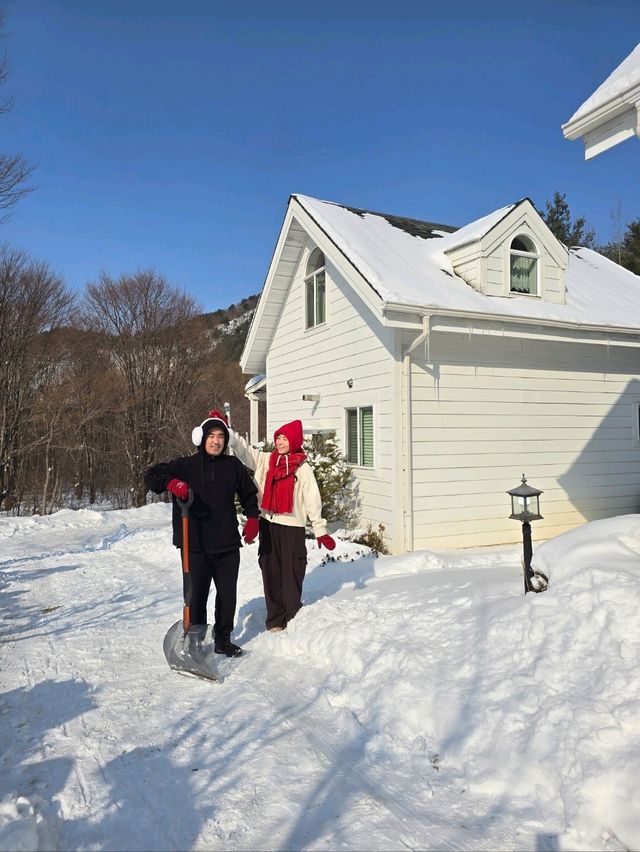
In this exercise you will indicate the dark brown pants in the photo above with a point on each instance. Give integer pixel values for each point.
(282, 555)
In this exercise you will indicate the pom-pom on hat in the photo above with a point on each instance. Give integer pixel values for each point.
(215, 419)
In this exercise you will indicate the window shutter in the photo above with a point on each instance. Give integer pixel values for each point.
(366, 432)
(352, 436)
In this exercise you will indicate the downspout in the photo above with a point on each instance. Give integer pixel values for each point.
(407, 455)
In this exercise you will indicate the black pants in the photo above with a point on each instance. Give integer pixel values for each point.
(282, 556)
(222, 568)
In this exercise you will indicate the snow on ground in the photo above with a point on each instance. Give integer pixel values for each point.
(416, 702)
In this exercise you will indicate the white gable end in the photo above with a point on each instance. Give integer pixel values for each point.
(286, 258)
(300, 234)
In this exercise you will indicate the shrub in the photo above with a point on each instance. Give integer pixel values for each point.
(373, 539)
(335, 479)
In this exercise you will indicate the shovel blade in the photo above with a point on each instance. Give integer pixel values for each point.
(190, 655)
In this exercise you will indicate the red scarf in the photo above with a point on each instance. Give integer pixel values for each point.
(280, 481)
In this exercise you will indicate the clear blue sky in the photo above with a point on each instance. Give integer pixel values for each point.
(171, 134)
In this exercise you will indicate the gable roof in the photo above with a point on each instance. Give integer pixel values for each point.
(410, 270)
(612, 113)
(403, 262)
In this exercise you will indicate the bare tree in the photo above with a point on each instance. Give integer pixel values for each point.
(151, 338)
(617, 231)
(14, 169)
(33, 305)
(93, 451)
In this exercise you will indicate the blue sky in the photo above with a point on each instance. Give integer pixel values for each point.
(170, 135)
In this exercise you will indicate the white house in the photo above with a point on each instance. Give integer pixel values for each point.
(612, 113)
(449, 362)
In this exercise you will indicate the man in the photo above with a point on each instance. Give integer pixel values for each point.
(215, 478)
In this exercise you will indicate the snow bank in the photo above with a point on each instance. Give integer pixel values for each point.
(533, 698)
(424, 699)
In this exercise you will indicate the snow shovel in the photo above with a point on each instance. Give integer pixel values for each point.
(184, 645)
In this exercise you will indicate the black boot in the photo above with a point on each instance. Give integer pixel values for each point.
(226, 646)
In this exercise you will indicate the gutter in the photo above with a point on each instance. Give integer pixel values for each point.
(419, 311)
(610, 109)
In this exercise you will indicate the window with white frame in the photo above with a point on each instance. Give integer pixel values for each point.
(523, 266)
(315, 290)
(359, 436)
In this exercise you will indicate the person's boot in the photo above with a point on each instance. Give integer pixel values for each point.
(195, 636)
(225, 646)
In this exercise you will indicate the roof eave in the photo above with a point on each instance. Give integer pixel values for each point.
(419, 312)
(610, 109)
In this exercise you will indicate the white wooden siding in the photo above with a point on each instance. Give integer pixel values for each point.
(351, 344)
(485, 410)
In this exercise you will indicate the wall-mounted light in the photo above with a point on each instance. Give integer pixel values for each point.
(311, 397)
(349, 383)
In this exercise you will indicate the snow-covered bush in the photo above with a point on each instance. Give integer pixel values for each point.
(335, 479)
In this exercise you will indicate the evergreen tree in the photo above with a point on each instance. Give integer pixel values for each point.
(335, 479)
(630, 254)
(571, 232)
(627, 251)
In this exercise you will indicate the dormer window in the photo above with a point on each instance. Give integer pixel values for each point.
(314, 284)
(523, 266)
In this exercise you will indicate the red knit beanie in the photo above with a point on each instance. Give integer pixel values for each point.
(293, 433)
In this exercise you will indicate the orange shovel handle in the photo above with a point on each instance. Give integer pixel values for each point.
(184, 506)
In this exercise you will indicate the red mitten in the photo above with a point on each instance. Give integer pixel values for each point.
(326, 541)
(250, 530)
(179, 488)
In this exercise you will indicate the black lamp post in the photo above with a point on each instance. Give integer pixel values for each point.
(525, 507)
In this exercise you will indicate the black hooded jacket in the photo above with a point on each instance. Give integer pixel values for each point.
(214, 480)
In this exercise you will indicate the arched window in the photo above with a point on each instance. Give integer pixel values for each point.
(524, 266)
(314, 284)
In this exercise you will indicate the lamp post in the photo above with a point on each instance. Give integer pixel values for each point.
(525, 507)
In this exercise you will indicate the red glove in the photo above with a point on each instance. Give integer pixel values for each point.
(326, 541)
(179, 488)
(250, 530)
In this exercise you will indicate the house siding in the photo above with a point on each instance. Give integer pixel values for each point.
(561, 412)
(352, 344)
(467, 264)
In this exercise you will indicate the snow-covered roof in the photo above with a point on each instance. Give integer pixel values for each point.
(254, 382)
(412, 270)
(611, 114)
(625, 77)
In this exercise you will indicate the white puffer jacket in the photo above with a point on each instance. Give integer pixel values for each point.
(306, 496)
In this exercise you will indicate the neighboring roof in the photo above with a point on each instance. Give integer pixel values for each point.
(254, 383)
(611, 114)
(414, 270)
(625, 77)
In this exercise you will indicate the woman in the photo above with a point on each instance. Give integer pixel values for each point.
(288, 494)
